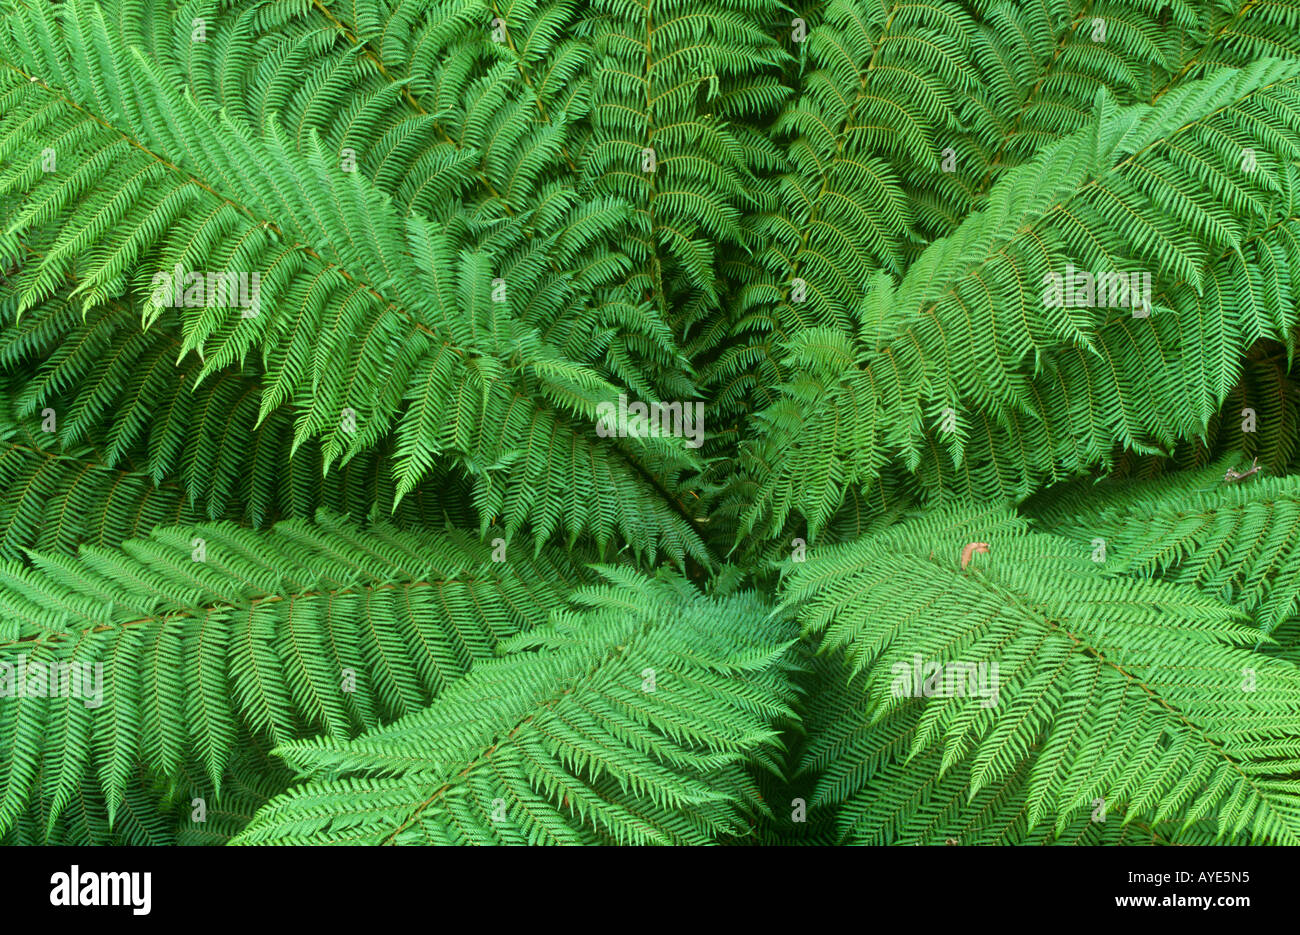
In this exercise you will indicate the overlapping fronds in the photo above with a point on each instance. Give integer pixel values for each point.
(366, 320)
(109, 436)
(970, 371)
(155, 653)
(1229, 530)
(340, 339)
(908, 113)
(862, 784)
(629, 722)
(154, 811)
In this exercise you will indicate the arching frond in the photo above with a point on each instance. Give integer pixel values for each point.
(627, 723)
(1017, 682)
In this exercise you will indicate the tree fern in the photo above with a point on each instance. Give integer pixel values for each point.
(313, 314)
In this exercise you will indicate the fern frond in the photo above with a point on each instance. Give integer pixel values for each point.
(1032, 666)
(630, 722)
(1234, 538)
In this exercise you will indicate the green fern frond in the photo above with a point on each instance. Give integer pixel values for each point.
(1230, 535)
(630, 722)
(1013, 668)
(360, 284)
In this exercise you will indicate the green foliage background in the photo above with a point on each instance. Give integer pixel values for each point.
(358, 567)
